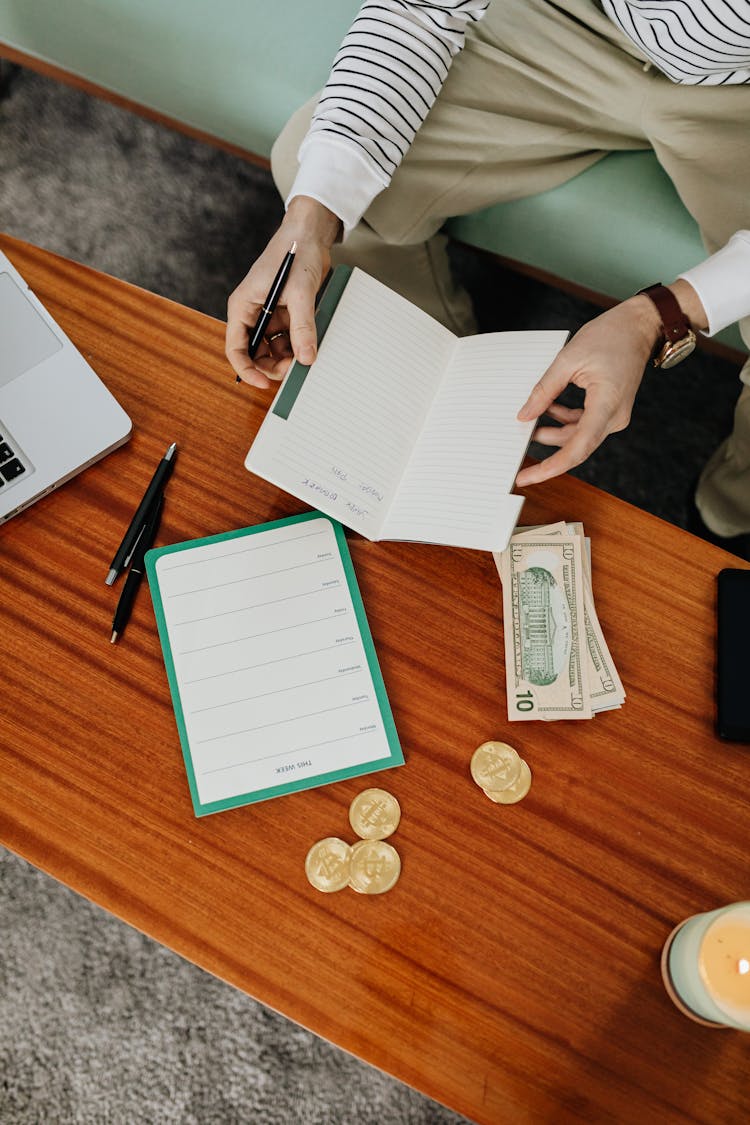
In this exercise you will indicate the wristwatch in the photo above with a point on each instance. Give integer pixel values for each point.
(678, 339)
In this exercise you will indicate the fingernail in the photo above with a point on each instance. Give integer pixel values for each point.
(306, 355)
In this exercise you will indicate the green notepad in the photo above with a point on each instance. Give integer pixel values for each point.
(275, 682)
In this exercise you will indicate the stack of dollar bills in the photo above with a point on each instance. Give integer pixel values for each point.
(557, 664)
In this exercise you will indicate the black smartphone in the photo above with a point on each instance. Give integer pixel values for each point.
(733, 652)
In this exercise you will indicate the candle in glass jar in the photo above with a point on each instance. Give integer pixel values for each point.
(707, 964)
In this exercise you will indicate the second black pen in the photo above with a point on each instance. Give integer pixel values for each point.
(135, 574)
(156, 485)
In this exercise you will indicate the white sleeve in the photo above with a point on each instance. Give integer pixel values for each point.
(723, 283)
(385, 78)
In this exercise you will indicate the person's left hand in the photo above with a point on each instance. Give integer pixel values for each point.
(607, 357)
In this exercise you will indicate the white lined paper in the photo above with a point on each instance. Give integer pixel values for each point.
(268, 661)
(456, 487)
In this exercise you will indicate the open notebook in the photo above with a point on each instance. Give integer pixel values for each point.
(400, 429)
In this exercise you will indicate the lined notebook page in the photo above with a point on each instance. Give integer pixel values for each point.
(353, 425)
(455, 488)
(267, 664)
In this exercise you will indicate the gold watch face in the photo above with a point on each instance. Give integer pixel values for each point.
(672, 354)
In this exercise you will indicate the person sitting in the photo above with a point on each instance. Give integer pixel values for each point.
(437, 109)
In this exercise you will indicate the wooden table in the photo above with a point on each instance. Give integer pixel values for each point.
(513, 972)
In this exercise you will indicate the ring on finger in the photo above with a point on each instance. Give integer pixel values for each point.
(275, 335)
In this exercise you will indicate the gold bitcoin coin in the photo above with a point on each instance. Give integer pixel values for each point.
(374, 868)
(327, 864)
(495, 765)
(374, 814)
(515, 792)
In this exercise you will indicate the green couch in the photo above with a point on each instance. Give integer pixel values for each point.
(236, 69)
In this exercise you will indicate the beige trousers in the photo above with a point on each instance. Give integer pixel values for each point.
(540, 92)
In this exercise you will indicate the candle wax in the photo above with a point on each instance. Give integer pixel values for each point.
(724, 963)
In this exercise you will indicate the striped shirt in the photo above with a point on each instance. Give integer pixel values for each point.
(697, 42)
(396, 56)
(385, 77)
(388, 72)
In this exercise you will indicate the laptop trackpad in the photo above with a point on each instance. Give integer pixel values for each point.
(25, 339)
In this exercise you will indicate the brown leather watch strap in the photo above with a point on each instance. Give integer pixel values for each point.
(675, 324)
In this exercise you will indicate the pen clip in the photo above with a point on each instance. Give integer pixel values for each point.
(128, 558)
(149, 516)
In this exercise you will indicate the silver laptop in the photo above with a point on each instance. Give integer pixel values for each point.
(56, 415)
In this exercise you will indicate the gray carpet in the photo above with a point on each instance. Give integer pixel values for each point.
(97, 1022)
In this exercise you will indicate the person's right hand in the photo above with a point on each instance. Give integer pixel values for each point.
(315, 229)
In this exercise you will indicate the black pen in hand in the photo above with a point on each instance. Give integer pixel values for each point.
(135, 574)
(269, 305)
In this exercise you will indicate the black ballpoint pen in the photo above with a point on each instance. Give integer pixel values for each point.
(135, 574)
(156, 486)
(269, 305)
